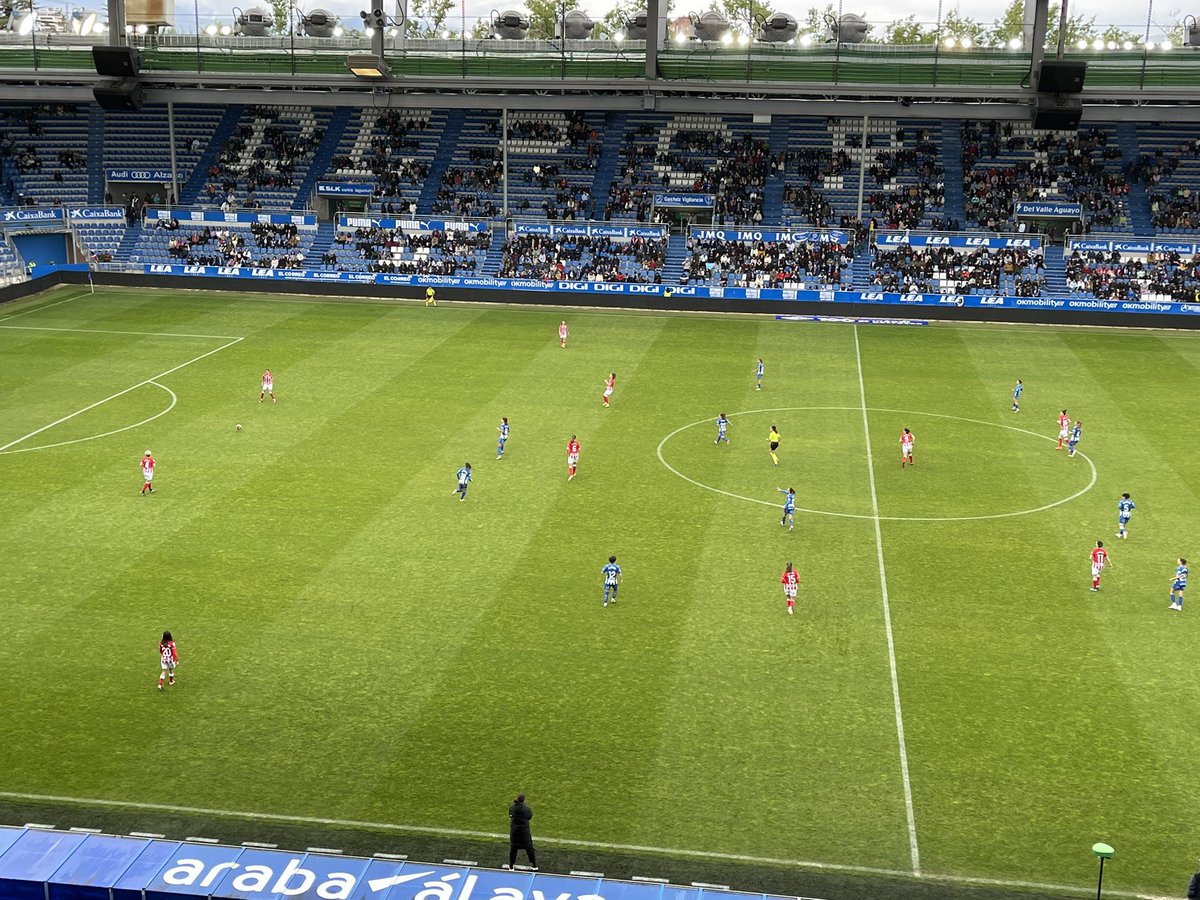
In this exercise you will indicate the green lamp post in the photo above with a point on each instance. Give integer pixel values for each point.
(1103, 851)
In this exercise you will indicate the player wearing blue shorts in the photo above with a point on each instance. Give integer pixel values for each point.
(612, 580)
(1017, 396)
(503, 429)
(1076, 434)
(1125, 508)
(1178, 585)
(464, 478)
(789, 508)
(722, 427)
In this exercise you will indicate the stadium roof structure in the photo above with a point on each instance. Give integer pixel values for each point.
(841, 79)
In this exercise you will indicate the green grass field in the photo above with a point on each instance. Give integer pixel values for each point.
(356, 644)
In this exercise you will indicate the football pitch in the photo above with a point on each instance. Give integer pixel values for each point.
(949, 698)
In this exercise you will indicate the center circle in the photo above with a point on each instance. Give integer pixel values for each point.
(790, 448)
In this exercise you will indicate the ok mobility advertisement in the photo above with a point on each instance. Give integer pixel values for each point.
(43, 863)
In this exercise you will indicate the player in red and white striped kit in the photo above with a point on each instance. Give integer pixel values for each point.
(790, 579)
(610, 385)
(1100, 559)
(906, 448)
(147, 474)
(268, 386)
(1064, 428)
(572, 457)
(562, 334)
(169, 658)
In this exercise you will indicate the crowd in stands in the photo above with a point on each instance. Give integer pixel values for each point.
(942, 270)
(398, 252)
(1106, 275)
(226, 247)
(570, 258)
(386, 160)
(271, 164)
(1072, 167)
(766, 264)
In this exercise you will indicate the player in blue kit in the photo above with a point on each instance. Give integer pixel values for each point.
(759, 375)
(612, 579)
(1076, 434)
(1017, 396)
(789, 508)
(503, 429)
(464, 478)
(1178, 585)
(722, 426)
(1125, 508)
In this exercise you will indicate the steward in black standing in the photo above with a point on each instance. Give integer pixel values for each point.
(519, 836)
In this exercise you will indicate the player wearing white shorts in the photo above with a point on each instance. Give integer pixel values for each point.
(268, 386)
(168, 658)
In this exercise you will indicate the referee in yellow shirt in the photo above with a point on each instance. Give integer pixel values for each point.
(430, 298)
(773, 441)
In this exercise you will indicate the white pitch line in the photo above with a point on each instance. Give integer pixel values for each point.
(40, 308)
(887, 618)
(118, 394)
(96, 437)
(566, 842)
(214, 337)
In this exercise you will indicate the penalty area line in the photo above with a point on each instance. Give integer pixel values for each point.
(92, 406)
(887, 618)
(563, 842)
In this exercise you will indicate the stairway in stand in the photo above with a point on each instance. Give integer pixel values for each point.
(1140, 218)
(610, 160)
(95, 154)
(441, 160)
(955, 206)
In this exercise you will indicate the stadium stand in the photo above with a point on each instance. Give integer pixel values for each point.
(141, 140)
(1117, 275)
(261, 245)
(100, 240)
(1004, 164)
(1014, 272)
(767, 264)
(412, 249)
(394, 149)
(1169, 168)
(267, 158)
(44, 153)
(728, 156)
(573, 258)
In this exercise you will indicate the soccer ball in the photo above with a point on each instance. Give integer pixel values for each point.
(237, 427)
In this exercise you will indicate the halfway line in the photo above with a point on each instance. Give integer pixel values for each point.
(887, 618)
(118, 394)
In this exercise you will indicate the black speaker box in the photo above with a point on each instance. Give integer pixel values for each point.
(126, 94)
(117, 62)
(1060, 76)
(1051, 114)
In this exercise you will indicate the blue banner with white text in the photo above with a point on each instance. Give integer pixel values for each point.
(1137, 246)
(32, 215)
(551, 229)
(100, 215)
(699, 292)
(750, 235)
(345, 188)
(1046, 209)
(156, 176)
(350, 220)
(887, 240)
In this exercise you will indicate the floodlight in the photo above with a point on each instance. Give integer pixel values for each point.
(510, 25)
(1128, 45)
(637, 26)
(849, 29)
(1165, 45)
(711, 26)
(680, 37)
(226, 31)
(806, 40)
(1014, 43)
(966, 43)
(949, 42)
(618, 38)
(211, 30)
(577, 24)
(254, 22)
(367, 65)
(1098, 44)
(129, 29)
(320, 23)
(778, 28)
(142, 29)
(445, 34)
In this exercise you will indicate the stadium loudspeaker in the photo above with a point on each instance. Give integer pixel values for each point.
(1057, 114)
(1059, 76)
(117, 62)
(126, 94)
